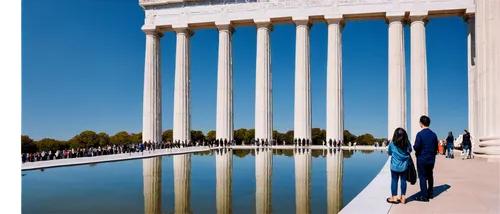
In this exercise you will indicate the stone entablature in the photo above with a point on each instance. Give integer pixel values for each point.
(166, 14)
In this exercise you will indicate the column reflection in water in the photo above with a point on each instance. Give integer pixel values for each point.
(182, 183)
(224, 170)
(334, 173)
(302, 158)
(263, 176)
(151, 169)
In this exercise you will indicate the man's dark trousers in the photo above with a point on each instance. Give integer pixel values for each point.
(426, 178)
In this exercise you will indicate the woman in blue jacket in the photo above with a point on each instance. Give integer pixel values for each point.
(399, 149)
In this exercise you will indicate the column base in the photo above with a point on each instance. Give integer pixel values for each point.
(488, 149)
(487, 158)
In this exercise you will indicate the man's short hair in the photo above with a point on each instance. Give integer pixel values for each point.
(426, 121)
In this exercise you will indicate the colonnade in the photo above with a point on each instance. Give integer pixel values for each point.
(484, 99)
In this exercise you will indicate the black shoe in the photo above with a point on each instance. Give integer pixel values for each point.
(431, 195)
(421, 198)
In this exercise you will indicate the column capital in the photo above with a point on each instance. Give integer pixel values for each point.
(420, 16)
(183, 30)
(263, 23)
(152, 30)
(335, 19)
(225, 26)
(395, 17)
(302, 20)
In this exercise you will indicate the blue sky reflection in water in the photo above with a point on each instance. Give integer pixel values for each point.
(118, 187)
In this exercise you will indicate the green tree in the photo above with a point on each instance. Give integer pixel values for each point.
(318, 136)
(167, 135)
(136, 138)
(28, 145)
(104, 139)
(240, 135)
(348, 137)
(288, 137)
(249, 135)
(365, 139)
(49, 144)
(120, 138)
(85, 139)
(210, 136)
(197, 135)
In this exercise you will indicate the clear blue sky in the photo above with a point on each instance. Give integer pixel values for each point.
(83, 69)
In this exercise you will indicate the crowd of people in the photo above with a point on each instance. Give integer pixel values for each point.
(447, 146)
(152, 146)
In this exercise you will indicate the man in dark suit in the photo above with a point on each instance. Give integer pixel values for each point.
(426, 147)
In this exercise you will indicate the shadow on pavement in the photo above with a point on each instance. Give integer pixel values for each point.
(437, 191)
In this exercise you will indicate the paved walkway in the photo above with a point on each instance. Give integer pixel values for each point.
(461, 186)
(108, 158)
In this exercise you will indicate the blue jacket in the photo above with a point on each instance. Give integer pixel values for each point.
(426, 146)
(399, 158)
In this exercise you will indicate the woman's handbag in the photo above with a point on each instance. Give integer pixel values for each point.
(412, 173)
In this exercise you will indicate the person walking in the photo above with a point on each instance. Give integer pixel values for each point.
(450, 145)
(466, 145)
(399, 149)
(426, 147)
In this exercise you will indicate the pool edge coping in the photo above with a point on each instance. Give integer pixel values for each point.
(371, 198)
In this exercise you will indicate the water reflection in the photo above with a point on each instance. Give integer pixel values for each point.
(182, 183)
(302, 161)
(152, 178)
(151, 169)
(224, 174)
(263, 177)
(334, 173)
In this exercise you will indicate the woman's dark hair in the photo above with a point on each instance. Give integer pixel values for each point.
(466, 131)
(450, 133)
(400, 139)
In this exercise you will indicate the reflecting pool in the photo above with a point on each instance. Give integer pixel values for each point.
(234, 181)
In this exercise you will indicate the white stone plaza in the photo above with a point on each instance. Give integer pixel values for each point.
(184, 17)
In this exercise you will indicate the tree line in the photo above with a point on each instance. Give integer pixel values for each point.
(92, 139)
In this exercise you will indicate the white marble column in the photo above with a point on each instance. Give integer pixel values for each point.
(151, 172)
(472, 78)
(419, 92)
(302, 102)
(263, 82)
(182, 88)
(334, 174)
(225, 116)
(302, 164)
(397, 75)
(488, 71)
(224, 174)
(334, 91)
(263, 177)
(151, 112)
(182, 183)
